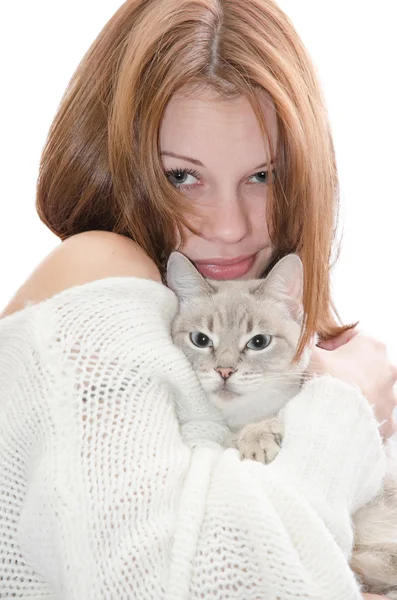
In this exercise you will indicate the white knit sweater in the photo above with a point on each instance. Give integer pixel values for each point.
(104, 495)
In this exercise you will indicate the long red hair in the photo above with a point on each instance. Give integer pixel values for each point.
(101, 167)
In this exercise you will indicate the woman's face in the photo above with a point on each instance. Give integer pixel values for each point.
(214, 151)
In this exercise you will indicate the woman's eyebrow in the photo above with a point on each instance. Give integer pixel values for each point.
(188, 158)
(199, 163)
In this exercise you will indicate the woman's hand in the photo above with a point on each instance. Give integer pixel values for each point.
(362, 360)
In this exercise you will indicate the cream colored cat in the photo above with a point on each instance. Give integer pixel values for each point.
(240, 337)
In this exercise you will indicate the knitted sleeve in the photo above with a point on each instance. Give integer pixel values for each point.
(113, 483)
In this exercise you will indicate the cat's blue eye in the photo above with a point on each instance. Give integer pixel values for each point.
(200, 339)
(259, 342)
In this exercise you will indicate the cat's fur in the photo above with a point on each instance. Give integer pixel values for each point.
(252, 386)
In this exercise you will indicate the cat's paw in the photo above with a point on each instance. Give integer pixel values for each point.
(261, 441)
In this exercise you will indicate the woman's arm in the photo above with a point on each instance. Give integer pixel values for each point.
(91, 444)
(82, 258)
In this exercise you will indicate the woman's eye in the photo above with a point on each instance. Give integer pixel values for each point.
(259, 342)
(263, 176)
(200, 339)
(178, 177)
(184, 178)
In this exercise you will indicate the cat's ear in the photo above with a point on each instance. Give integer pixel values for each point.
(184, 279)
(285, 282)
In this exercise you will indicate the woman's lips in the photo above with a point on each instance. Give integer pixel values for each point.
(232, 270)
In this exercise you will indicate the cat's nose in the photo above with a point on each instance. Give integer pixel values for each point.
(225, 372)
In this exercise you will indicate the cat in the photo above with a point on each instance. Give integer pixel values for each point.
(240, 337)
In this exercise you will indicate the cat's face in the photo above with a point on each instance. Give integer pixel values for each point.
(238, 335)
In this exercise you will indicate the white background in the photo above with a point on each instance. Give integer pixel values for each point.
(354, 47)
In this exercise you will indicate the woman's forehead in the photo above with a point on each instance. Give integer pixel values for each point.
(204, 125)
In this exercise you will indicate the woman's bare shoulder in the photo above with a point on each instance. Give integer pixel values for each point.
(82, 258)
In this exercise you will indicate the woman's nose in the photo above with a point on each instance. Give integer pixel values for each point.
(228, 223)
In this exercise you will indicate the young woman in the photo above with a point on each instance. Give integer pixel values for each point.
(198, 125)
